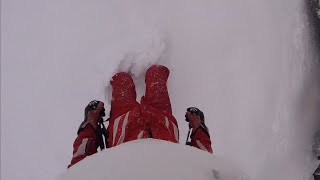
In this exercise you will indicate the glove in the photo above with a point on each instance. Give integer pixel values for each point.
(194, 120)
(93, 114)
(195, 117)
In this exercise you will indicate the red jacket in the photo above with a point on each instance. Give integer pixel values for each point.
(84, 145)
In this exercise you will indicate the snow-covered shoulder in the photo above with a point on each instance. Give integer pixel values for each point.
(153, 159)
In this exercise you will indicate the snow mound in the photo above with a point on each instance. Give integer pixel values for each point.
(153, 159)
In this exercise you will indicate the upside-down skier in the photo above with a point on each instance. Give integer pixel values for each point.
(130, 120)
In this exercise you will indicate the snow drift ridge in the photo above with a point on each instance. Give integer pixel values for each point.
(153, 159)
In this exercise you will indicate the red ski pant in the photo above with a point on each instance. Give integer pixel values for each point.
(151, 118)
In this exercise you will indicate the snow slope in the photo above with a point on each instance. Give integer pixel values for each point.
(153, 159)
(250, 65)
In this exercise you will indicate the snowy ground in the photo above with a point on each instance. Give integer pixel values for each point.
(250, 65)
(181, 162)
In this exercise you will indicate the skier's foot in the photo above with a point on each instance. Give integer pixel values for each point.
(157, 94)
(123, 93)
(156, 73)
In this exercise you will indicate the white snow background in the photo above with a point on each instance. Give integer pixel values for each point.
(250, 65)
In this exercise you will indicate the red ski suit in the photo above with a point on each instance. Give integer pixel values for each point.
(130, 120)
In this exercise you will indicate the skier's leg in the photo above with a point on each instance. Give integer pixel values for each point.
(157, 94)
(162, 123)
(123, 94)
(124, 123)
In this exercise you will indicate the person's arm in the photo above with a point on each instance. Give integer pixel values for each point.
(86, 142)
(200, 137)
(84, 145)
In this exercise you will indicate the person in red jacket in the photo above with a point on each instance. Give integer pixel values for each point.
(130, 120)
